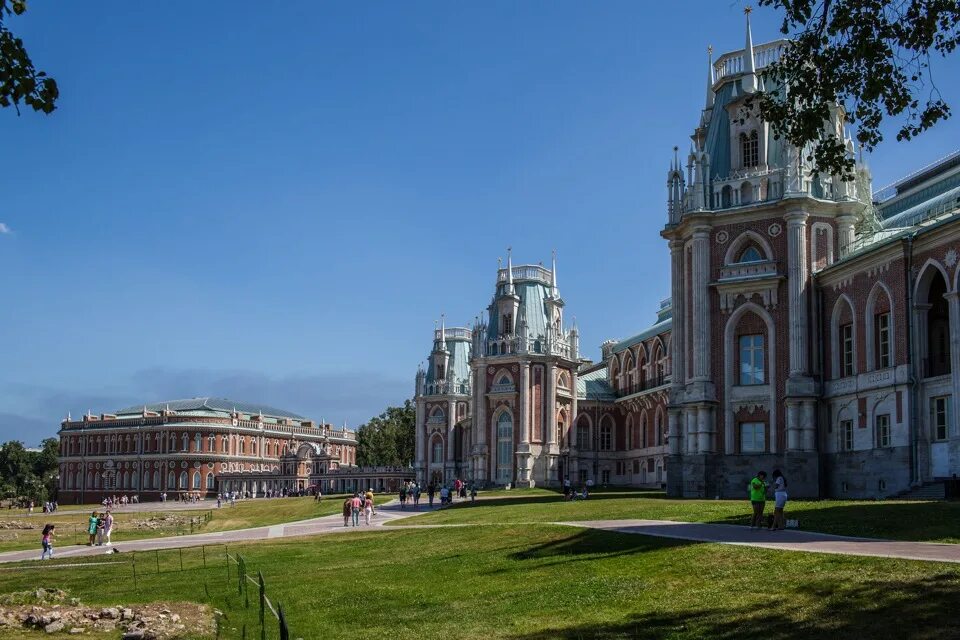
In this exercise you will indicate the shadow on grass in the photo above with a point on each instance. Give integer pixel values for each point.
(897, 520)
(897, 609)
(604, 494)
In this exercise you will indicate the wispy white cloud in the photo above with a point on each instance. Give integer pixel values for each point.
(4, 228)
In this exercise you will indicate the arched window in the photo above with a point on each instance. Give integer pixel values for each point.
(242, 446)
(504, 380)
(183, 479)
(156, 479)
(643, 430)
(173, 443)
(436, 454)
(606, 433)
(197, 443)
(630, 439)
(209, 481)
(504, 448)
(196, 479)
(224, 447)
(750, 149)
(583, 434)
(750, 254)
(210, 442)
(658, 425)
(185, 442)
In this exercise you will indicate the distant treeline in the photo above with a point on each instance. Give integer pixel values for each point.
(29, 475)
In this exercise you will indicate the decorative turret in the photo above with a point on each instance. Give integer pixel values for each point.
(711, 96)
(675, 188)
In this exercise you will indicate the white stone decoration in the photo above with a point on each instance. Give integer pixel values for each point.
(951, 257)
(722, 237)
(775, 229)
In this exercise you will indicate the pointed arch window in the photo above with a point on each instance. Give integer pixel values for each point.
(583, 434)
(437, 450)
(750, 149)
(504, 448)
(750, 254)
(606, 433)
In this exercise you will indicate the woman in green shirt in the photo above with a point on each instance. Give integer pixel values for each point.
(92, 528)
(758, 498)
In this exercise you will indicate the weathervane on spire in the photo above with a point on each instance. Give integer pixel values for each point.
(748, 10)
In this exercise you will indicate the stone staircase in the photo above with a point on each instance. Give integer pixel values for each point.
(927, 491)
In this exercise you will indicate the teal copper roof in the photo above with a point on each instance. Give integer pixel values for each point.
(215, 405)
(593, 385)
(459, 344)
(663, 324)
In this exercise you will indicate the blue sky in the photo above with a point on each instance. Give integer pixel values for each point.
(274, 201)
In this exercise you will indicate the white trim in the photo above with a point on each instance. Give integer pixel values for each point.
(869, 320)
(737, 244)
(770, 344)
(836, 349)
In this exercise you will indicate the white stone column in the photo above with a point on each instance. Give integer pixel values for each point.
(700, 269)
(691, 436)
(419, 442)
(550, 414)
(953, 304)
(798, 275)
(845, 233)
(674, 431)
(808, 424)
(677, 333)
(705, 429)
(524, 392)
(451, 422)
(793, 427)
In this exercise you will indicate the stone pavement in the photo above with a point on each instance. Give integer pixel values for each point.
(787, 540)
(314, 526)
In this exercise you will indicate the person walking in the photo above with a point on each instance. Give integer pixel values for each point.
(758, 498)
(367, 509)
(100, 524)
(566, 488)
(108, 528)
(431, 491)
(403, 496)
(416, 497)
(473, 493)
(347, 510)
(780, 500)
(47, 542)
(369, 496)
(357, 505)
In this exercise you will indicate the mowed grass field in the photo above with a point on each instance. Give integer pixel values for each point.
(532, 582)
(71, 528)
(894, 519)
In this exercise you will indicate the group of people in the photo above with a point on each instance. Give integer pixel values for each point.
(355, 504)
(100, 528)
(459, 489)
(570, 493)
(113, 501)
(758, 489)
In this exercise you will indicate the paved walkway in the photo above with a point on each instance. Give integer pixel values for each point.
(787, 540)
(314, 526)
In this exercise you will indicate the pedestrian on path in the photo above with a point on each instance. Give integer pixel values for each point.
(403, 496)
(347, 510)
(47, 542)
(369, 496)
(758, 498)
(367, 510)
(356, 505)
(92, 528)
(431, 491)
(108, 528)
(473, 493)
(780, 500)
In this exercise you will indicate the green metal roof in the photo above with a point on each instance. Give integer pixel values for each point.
(593, 385)
(216, 405)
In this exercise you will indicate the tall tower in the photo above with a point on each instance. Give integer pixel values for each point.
(524, 367)
(443, 397)
(748, 228)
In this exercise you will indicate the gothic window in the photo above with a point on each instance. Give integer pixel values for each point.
(171, 480)
(209, 481)
(507, 323)
(751, 359)
(196, 479)
(210, 441)
(437, 450)
(643, 431)
(750, 254)
(750, 149)
(183, 480)
(881, 336)
(504, 448)
(242, 446)
(606, 433)
(583, 434)
(197, 443)
(658, 425)
(173, 443)
(752, 437)
(185, 441)
(846, 350)
(441, 374)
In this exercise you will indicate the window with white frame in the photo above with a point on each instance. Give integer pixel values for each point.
(846, 435)
(881, 338)
(437, 453)
(504, 448)
(606, 435)
(882, 422)
(751, 359)
(750, 149)
(753, 437)
(939, 417)
(583, 435)
(846, 350)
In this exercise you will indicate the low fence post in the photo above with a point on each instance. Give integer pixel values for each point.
(263, 605)
(133, 559)
(282, 619)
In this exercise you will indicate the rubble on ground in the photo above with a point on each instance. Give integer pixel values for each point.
(53, 611)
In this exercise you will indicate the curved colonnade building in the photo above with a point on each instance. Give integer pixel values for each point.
(200, 445)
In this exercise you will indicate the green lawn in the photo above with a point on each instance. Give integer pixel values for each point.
(895, 519)
(537, 582)
(71, 528)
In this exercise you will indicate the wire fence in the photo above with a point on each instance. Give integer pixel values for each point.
(144, 564)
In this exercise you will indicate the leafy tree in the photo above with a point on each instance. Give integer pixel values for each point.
(388, 439)
(29, 475)
(872, 57)
(20, 82)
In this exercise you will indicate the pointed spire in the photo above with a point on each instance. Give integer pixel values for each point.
(443, 332)
(710, 78)
(553, 275)
(510, 270)
(749, 65)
